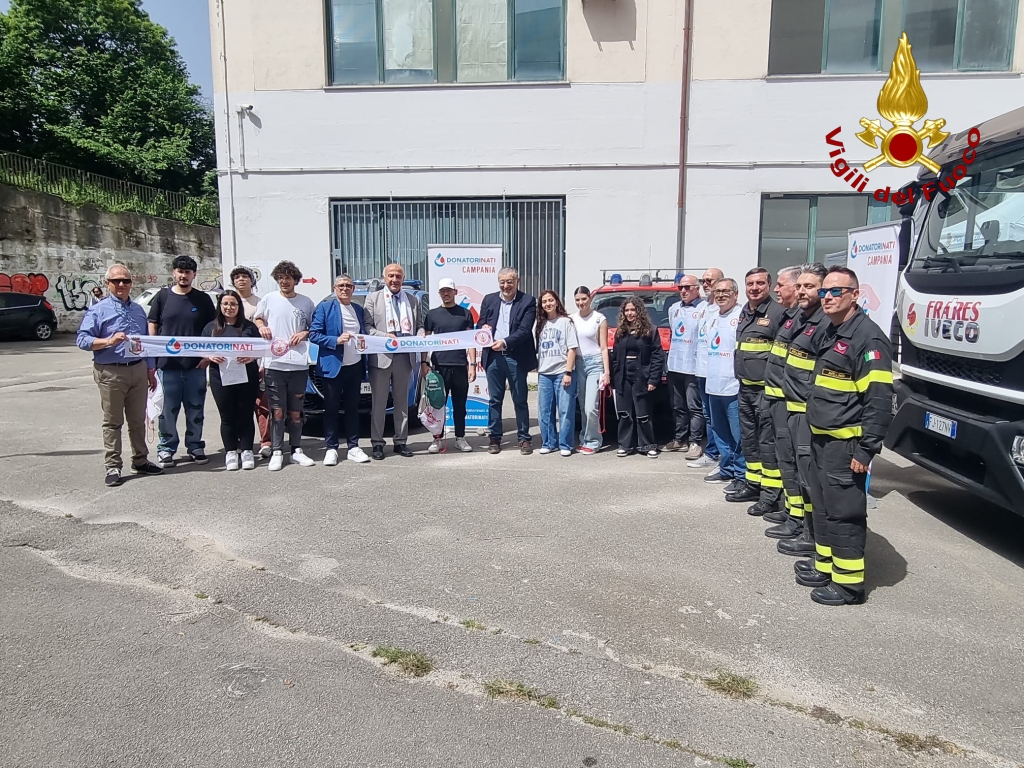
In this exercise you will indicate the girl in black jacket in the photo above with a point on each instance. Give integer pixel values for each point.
(637, 363)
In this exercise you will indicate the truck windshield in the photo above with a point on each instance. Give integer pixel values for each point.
(989, 204)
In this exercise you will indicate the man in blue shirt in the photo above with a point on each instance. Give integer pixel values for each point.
(123, 382)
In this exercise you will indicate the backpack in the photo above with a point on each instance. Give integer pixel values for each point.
(433, 390)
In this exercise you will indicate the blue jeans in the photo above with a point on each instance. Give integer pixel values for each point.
(711, 449)
(188, 388)
(589, 371)
(725, 426)
(551, 394)
(502, 369)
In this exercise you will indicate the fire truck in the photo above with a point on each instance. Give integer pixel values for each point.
(959, 402)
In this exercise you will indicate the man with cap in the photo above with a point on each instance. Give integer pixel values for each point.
(457, 367)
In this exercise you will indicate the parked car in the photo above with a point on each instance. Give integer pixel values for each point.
(146, 297)
(314, 401)
(25, 314)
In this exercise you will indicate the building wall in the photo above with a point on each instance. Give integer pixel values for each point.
(54, 249)
(607, 141)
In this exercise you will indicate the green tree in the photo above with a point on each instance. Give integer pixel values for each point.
(96, 85)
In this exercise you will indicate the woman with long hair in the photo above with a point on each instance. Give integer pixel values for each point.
(593, 368)
(557, 346)
(234, 400)
(637, 363)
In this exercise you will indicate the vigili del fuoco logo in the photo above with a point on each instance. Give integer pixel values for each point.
(902, 102)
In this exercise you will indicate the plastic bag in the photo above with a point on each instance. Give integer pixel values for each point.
(154, 407)
(433, 418)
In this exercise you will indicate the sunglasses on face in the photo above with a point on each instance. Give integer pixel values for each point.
(345, 286)
(120, 281)
(835, 292)
(686, 287)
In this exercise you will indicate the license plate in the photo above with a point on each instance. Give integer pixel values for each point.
(364, 388)
(940, 424)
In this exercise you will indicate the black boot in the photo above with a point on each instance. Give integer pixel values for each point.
(803, 566)
(813, 578)
(833, 595)
(746, 493)
(761, 508)
(786, 530)
(779, 516)
(799, 547)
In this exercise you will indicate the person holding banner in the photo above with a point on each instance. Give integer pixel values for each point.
(336, 321)
(244, 280)
(234, 383)
(509, 314)
(286, 315)
(455, 367)
(393, 313)
(557, 349)
(123, 382)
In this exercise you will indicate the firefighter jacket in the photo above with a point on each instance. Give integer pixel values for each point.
(775, 368)
(754, 336)
(800, 359)
(852, 394)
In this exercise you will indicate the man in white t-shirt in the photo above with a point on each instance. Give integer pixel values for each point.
(285, 317)
(684, 318)
(722, 384)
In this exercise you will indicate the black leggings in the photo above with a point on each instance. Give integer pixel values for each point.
(237, 425)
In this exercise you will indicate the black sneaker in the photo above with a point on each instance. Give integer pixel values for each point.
(113, 477)
(734, 486)
(494, 446)
(198, 456)
(149, 468)
(715, 477)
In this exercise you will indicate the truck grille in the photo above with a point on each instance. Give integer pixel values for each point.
(978, 371)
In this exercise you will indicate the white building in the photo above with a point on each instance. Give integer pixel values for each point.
(354, 132)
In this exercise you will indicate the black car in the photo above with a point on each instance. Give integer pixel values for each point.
(22, 314)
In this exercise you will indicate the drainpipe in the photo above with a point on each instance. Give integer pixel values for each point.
(227, 132)
(684, 120)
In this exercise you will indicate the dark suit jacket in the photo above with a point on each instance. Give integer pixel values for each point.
(652, 363)
(328, 324)
(521, 345)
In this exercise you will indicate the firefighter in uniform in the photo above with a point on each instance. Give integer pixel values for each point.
(849, 411)
(758, 326)
(790, 518)
(796, 384)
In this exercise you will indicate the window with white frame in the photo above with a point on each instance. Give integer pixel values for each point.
(445, 41)
(860, 36)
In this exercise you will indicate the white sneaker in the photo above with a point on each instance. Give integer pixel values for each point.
(435, 447)
(276, 461)
(298, 457)
(462, 445)
(266, 451)
(702, 462)
(248, 460)
(231, 461)
(565, 452)
(331, 457)
(545, 451)
(356, 454)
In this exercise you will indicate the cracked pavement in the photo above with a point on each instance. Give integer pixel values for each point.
(613, 585)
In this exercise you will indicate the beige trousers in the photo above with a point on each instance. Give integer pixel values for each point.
(123, 393)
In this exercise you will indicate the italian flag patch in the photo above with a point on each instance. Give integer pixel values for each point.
(874, 354)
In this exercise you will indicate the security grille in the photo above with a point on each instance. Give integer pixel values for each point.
(367, 234)
(968, 369)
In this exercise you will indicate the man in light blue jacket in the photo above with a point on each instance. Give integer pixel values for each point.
(336, 321)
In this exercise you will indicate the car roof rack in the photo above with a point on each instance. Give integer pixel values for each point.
(639, 276)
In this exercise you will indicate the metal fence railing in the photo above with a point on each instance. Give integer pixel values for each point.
(81, 187)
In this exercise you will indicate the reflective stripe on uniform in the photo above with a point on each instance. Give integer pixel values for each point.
(774, 392)
(797, 513)
(838, 385)
(755, 346)
(843, 433)
(823, 550)
(801, 363)
(823, 566)
(808, 508)
(780, 349)
(752, 477)
(849, 565)
(847, 578)
(771, 478)
(750, 383)
(794, 407)
(874, 377)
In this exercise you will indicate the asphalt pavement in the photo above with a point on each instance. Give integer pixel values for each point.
(207, 618)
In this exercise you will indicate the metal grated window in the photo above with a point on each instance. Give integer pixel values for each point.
(367, 234)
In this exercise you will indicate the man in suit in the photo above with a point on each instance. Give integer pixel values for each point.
(336, 321)
(392, 312)
(509, 314)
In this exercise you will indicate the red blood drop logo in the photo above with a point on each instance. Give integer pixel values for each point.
(903, 147)
(911, 315)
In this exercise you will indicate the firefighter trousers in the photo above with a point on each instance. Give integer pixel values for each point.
(785, 455)
(814, 512)
(843, 498)
(757, 439)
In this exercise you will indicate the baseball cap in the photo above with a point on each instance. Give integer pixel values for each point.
(446, 282)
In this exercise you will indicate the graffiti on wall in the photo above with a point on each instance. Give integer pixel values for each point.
(75, 292)
(32, 283)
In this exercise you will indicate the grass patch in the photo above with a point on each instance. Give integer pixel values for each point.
(201, 595)
(411, 663)
(515, 691)
(737, 762)
(473, 624)
(911, 742)
(826, 715)
(597, 722)
(731, 684)
(532, 641)
(498, 631)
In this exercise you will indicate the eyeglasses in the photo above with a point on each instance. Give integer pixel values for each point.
(345, 286)
(725, 293)
(119, 280)
(506, 282)
(707, 280)
(835, 292)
